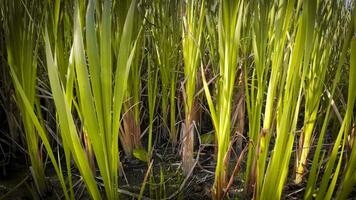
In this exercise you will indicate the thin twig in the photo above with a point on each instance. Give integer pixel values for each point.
(145, 181)
(236, 170)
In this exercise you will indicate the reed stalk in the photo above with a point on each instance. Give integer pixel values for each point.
(314, 86)
(256, 87)
(192, 37)
(289, 104)
(282, 13)
(229, 32)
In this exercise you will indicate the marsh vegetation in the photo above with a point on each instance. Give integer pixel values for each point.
(177, 99)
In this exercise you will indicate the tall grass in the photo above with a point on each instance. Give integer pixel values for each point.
(317, 158)
(256, 88)
(284, 60)
(22, 50)
(101, 129)
(314, 85)
(327, 184)
(166, 38)
(348, 180)
(41, 132)
(192, 37)
(229, 29)
(289, 104)
(152, 90)
(131, 133)
(282, 18)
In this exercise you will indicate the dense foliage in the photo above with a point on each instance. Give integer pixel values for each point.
(254, 98)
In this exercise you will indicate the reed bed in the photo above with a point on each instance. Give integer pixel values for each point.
(169, 99)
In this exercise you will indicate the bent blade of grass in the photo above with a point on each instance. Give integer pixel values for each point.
(41, 132)
(67, 125)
